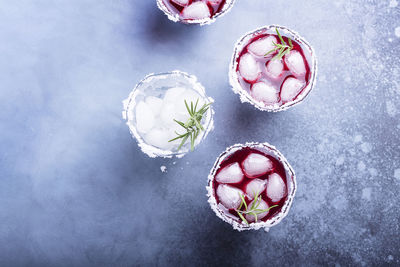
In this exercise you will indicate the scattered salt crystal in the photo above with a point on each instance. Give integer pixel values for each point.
(274, 68)
(291, 87)
(262, 46)
(264, 92)
(256, 165)
(196, 10)
(248, 68)
(229, 196)
(276, 188)
(295, 62)
(230, 174)
(163, 168)
(255, 187)
(144, 117)
(262, 206)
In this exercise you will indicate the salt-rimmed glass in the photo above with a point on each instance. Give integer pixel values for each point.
(284, 31)
(157, 85)
(220, 211)
(175, 17)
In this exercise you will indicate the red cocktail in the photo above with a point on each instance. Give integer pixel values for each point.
(194, 11)
(251, 186)
(273, 68)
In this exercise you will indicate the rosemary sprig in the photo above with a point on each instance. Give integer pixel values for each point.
(253, 209)
(282, 48)
(193, 125)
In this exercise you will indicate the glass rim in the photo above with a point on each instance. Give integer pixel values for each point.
(129, 104)
(291, 179)
(176, 18)
(244, 95)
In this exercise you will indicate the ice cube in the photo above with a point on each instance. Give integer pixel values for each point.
(158, 138)
(172, 131)
(180, 108)
(256, 165)
(193, 96)
(264, 92)
(291, 87)
(248, 68)
(155, 104)
(230, 174)
(255, 187)
(168, 114)
(274, 68)
(144, 117)
(196, 10)
(262, 46)
(173, 93)
(295, 62)
(190, 96)
(262, 206)
(175, 129)
(176, 109)
(229, 196)
(276, 188)
(181, 2)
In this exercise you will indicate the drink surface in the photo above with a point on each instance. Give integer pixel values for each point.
(239, 175)
(269, 79)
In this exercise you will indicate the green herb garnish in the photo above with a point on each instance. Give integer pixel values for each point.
(282, 48)
(193, 125)
(253, 209)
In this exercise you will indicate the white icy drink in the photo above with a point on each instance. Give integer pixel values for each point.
(160, 110)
